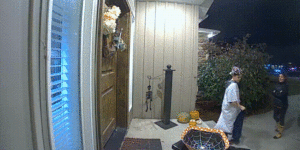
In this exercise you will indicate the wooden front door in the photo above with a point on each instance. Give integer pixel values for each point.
(108, 94)
(106, 85)
(109, 110)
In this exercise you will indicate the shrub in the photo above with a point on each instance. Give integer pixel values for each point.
(214, 72)
(212, 75)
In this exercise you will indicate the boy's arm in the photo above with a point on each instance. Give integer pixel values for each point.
(237, 104)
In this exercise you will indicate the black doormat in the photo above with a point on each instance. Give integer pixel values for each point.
(116, 139)
(141, 144)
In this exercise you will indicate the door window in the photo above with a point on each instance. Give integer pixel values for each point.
(63, 73)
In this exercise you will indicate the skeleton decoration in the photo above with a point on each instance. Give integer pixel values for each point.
(148, 95)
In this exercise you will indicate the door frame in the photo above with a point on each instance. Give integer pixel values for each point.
(98, 60)
(87, 73)
(123, 63)
(37, 87)
(37, 54)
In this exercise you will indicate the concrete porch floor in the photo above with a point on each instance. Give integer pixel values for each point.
(258, 130)
(147, 129)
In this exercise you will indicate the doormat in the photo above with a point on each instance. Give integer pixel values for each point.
(141, 144)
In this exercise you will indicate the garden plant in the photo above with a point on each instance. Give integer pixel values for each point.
(214, 72)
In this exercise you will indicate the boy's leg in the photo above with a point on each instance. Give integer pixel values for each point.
(237, 127)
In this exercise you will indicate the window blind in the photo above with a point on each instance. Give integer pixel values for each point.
(64, 40)
(59, 76)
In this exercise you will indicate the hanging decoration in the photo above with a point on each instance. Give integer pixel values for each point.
(148, 95)
(120, 44)
(109, 28)
(108, 49)
(112, 40)
(110, 17)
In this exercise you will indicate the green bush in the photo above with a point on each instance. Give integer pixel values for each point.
(212, 75)
(214, 72)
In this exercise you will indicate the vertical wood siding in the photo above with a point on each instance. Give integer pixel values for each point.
(166, 33)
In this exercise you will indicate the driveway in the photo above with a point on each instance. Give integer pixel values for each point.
(258, 130)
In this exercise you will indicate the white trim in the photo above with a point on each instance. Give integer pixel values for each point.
(201, 19)
(131, 52)
(48, 72)
(34, 79)
(43, 83)
(131, 4)
(87, 65)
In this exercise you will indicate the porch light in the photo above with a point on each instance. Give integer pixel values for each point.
(210, 35)
(208, 32)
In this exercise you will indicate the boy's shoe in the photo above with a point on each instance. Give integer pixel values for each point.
(232, 141)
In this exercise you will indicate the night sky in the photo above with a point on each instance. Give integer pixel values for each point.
(274, 22)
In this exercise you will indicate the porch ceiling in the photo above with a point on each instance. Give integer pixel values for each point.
(204, 5)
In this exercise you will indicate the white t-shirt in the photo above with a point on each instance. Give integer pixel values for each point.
(229, 111)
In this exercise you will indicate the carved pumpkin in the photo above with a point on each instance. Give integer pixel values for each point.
(194, 114)
(192, 123)
(183, 117)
